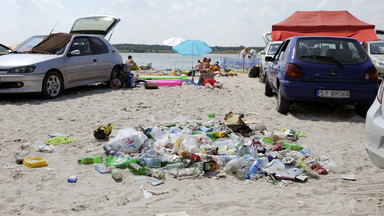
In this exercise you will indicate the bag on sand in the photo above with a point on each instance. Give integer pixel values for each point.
(103, 132)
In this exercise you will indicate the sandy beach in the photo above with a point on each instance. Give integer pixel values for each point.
(335, 132)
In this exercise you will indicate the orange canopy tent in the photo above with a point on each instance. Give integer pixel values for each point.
(323, 23)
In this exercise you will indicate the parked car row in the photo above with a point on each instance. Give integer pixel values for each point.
(330, 70)
(50, 64)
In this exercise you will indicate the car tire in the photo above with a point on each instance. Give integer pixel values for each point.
(115, 74)
(52, 85)
(282, 103)
(268, 90)
(261, 76)
(361, 110)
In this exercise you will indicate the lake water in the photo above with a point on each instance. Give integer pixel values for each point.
(164, 61)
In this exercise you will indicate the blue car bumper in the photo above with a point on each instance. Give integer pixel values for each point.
(307, 91)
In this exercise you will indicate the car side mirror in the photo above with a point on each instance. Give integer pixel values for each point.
(268, 58)
(74, 53)
(262, 52)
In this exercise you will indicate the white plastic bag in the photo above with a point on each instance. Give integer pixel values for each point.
(128, 140)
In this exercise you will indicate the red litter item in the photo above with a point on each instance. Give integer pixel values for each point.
(195, 157)
(277, 148)
(319, 169)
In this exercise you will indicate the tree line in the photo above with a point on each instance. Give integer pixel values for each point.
(145, 48)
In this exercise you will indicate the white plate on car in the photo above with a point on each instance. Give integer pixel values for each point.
(333, 93)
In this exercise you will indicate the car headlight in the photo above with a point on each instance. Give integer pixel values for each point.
(378, 62)
(25, 69)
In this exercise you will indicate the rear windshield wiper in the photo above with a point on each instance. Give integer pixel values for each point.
(324, 57)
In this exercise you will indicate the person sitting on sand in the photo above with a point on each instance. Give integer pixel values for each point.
(208, 80)
(148, 67)
(199, 65)
(132, 63)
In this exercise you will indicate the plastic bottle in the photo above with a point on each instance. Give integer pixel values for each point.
(254, 168)
(89, 160)
(157, 173)
(184, 172)
(174, 166)
(150, 159)
(243, 150)
(139, 170)
(237, 140)
(126, 163)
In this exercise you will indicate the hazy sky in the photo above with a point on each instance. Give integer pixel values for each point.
(217, 22)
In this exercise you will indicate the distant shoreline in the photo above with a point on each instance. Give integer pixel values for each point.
(143, 48)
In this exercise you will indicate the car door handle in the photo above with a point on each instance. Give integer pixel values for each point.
(94, 60)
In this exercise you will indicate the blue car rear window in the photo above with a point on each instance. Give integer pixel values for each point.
(330, 51)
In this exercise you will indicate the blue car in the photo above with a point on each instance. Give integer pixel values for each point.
(321, 69)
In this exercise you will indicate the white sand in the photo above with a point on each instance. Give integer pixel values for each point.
(336, 132)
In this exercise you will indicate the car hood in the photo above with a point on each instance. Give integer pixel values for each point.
(378, 56)
(15, 60)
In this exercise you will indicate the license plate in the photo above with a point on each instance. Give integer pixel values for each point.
(333, 93)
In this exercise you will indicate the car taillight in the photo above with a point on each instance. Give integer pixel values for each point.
(293, 70)
(380, 92)
(371, 74)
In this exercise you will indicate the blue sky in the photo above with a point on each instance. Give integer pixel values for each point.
(217, 22)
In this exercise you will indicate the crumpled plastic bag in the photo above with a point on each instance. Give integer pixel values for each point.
(128, 141)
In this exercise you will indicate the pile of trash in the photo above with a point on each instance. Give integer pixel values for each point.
(218, 148)
(214, 150)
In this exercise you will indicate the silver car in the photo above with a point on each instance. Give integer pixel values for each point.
(269, 51)
(63, 60)
(375, 50)
(374, 129)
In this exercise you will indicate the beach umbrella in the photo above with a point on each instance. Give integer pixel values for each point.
(173, 41)
(192, 48)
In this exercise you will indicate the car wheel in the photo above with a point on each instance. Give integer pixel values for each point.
(268, 90)
(261, 76)
(115, 73)
(282, 103)
(52, 85)
(361, 109)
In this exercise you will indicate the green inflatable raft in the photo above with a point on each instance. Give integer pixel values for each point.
(181, 77)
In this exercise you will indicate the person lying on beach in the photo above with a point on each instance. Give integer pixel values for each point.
(208, 80)
(133, 64)
(148, 67)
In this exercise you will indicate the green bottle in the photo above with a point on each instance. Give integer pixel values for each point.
(139, 170)
(211, 135)
(90, 160)
(292, 146)
(126, 163)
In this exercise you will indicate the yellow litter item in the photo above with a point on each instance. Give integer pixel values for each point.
(35, 162)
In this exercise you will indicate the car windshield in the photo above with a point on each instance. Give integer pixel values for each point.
(272, 49)
(330, 51)
(53, 44)
(28, 44)
(377, 48)
(3, 49)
